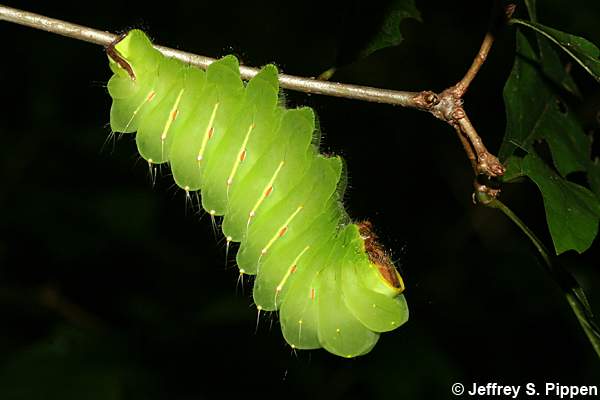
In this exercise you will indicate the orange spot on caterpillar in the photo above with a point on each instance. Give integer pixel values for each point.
(293, 269)
(269, 190)
(283, 231)
(174, 114)
(151, 96)
(210, 132)
(243, 155)
(312, 293)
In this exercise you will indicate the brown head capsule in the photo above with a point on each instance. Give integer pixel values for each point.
(378, 256)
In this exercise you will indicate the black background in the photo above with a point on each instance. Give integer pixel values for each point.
(112, 289)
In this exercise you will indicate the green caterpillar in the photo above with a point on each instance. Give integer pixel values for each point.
(257, 164)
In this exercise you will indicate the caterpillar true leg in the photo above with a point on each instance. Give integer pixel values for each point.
(114, 54)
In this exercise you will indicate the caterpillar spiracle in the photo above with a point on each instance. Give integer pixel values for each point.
(257, 164)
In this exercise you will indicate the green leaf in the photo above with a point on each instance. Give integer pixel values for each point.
(572, 211)
(551, 64)
(554, 69)
(584, 52)
(389, 33)
(534, 112)
(368, 27)
(514, 169)
(531, 9)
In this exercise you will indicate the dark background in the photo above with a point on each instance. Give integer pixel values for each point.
(111, 289)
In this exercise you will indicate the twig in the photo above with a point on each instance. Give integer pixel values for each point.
(487, 163)
(498, 19)
(449, 107)
(468, 149)
(308, 85)
(462, 86)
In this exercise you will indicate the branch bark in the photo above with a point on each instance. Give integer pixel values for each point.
(308, 85)
(498, 19)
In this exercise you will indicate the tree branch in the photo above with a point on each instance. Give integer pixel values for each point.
(449, 107)
(498, 19)
(308, 85)
(487, 163)
(468, 148)
(462, 86)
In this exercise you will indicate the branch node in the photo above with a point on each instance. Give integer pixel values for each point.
(457, 114)
(426, 100)
(484, 194)
(489, 165)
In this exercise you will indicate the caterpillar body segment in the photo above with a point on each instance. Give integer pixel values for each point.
(257, 164)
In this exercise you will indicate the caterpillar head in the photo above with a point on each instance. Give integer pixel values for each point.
(384, 277)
